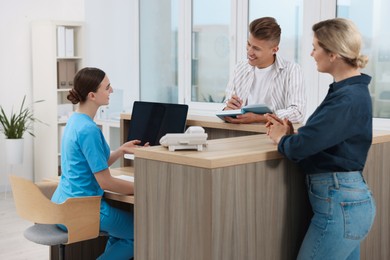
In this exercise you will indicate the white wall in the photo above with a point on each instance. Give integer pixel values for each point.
(111, 44)
(15, 60)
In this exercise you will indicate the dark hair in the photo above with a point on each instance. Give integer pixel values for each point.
(265, 28)
(341, 36)
(86, 80)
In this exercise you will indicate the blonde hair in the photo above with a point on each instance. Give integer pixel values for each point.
(341, 36)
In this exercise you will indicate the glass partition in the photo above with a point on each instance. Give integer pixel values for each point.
(159, 50)
(210, 49)
(289, 15)
(371, 16)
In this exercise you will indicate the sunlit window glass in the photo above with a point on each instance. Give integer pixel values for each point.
(372, 19)
(210, 50)
(288, 14)
(158, 50)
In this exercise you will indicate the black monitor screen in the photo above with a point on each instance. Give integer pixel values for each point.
(151, 120)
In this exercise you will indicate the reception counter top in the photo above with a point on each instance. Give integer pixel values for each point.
(228, 151)
(214, 127)
(218, 152)
(215, 123)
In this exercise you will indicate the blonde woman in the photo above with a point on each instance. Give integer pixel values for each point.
(332, 147)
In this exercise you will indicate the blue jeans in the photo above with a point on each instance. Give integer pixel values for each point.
(344, 211)
(119, 224)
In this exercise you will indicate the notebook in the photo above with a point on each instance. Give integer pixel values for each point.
(255, 108)
(152, 120)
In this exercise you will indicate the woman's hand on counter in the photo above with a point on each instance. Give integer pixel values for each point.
(277, 127)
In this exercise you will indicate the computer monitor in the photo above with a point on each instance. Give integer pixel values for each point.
(152, 120)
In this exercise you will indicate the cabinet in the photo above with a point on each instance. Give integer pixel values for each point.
(52, 75)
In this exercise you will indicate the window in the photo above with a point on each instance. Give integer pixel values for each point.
(371, 17)
(289, 16)
(159, 50)
(215, 25)
(188, 49)
(210, 50)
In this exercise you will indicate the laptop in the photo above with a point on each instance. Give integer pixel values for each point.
(152, 120)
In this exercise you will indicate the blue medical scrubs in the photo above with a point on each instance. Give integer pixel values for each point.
(84, 151)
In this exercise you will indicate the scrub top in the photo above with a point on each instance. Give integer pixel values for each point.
(84, 151)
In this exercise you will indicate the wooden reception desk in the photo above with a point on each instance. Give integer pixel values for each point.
(214, 127)
(238, 199)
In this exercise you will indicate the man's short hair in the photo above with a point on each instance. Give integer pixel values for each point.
(265, 28)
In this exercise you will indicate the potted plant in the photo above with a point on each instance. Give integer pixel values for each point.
(14, 127)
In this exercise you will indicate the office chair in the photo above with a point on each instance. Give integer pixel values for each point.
(79, 215)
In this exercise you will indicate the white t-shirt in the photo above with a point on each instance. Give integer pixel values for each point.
(260, 91)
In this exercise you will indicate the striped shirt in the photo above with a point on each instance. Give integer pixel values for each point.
(286, 97)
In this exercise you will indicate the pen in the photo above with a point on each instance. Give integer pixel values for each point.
(243, 102)
(234, 92)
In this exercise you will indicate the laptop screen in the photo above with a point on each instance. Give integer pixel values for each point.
(151, 120)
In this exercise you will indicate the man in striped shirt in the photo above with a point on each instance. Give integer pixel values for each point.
(266, 78)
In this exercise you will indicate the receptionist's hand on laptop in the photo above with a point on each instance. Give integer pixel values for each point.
(129, 146)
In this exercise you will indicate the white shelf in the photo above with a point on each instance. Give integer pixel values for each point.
(108, 122)
(63, 89)
(69, 58)
(45, 87)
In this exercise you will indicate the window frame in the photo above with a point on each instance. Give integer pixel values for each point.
(316, 83)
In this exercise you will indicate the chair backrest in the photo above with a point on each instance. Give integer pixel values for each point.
(47, 187)
(80, 215)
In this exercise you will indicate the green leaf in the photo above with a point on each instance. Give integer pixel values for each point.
(14, 126)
